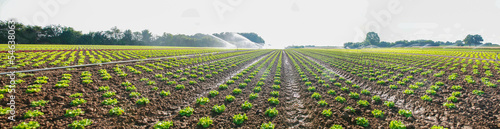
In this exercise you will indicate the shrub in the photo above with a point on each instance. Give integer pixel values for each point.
(205, 122)
(238, 119)
(187, 111)
(219, 109)
(271, 112)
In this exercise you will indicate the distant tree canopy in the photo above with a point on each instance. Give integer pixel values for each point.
(253, 37)
(473, 40)
(372, 40)
(57, 34)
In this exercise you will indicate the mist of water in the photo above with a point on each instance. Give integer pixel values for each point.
(238, 40)
(478, 46)
(226, 44)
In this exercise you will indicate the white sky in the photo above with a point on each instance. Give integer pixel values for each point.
(279, 22)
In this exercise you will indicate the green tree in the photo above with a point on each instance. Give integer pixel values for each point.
(371, 39)
(473, 40)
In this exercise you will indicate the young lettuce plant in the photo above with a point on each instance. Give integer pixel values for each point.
(273, 101)
(378, 113)
(238, 119)
(205, 122)
(219, 109)
(340, 99)
(202, 100)
(271, 112)
(327, 113)
(361, 121)
(322, 103)
(246, 105)
(187, 111)
(406, 113)
(267, 125)
(164, 125)
(253, 96)
(397, 125)
(116, 111)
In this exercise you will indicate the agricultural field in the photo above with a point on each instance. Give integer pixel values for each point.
(169, 87)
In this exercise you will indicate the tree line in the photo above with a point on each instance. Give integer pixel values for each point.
(373, 40)
(57, 34)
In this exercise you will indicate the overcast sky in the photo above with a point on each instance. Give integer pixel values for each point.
(279, 22)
